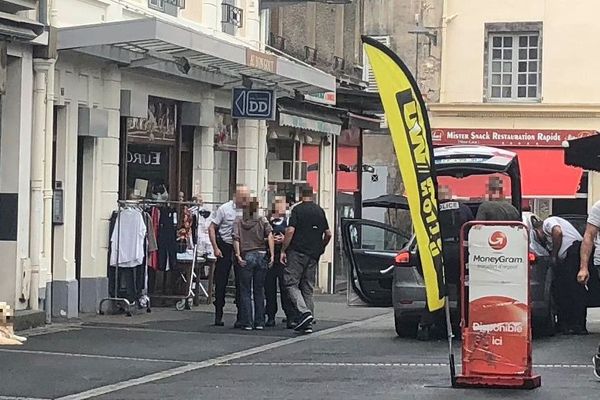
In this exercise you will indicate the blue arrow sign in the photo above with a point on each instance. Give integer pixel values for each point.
(253, 104)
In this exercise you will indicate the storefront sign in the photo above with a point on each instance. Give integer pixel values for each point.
(253, 104)
(263, 61)
(146, 158)
(497, 338)
(505, 137)
(329, 98)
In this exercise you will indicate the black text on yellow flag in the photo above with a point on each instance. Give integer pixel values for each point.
(409, 126)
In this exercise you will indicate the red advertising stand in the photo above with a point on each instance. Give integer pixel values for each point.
(495, 312)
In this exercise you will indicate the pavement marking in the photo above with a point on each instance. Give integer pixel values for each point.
(371, 364)
(98, 356)
(102, 390)
(20, 398)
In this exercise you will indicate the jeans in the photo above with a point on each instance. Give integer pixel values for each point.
(222, 269)
(252, 289)
(275, 277)
(299, 276)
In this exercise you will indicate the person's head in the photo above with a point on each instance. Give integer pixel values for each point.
(444, 192)
(495, 189)
(252, 208)
(307, 194)
(279, 206)
(242, 196)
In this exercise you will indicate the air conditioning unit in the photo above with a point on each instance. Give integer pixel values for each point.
(279, 171)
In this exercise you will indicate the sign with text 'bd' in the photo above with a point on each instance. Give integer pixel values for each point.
(253, 104)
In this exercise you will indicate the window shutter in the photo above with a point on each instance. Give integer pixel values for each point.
(368, 75)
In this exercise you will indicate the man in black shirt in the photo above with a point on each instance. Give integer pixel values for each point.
(305, 240)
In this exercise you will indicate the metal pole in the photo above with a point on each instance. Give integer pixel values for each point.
(450, 337)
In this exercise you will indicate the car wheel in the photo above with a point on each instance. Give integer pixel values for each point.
(405, 326)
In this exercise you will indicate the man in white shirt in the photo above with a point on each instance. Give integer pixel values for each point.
(563, 242)
(591, 237)
(221, 237)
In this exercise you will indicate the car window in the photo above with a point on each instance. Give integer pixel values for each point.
(369, 237)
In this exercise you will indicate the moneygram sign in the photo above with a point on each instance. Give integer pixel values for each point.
(497, 337)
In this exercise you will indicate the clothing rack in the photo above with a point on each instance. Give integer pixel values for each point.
(121, 204)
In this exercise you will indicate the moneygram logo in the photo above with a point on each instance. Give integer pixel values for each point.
(498, 241)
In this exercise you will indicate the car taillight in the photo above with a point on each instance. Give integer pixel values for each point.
(532, 258)
(403, 257)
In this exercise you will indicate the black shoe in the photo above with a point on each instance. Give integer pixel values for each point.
(291, 325)
(578, 331)
(219, 318)
(308, 329)
(238, 325)
(424, 333)
(270, 322)
(304, 321)
(596, 362)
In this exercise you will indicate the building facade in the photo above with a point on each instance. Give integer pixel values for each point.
(510, 78)
(137, 103)
(25, 60)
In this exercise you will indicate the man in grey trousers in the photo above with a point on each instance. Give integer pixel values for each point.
(305, 240)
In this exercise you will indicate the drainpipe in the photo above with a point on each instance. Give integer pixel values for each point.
(40, 67)
(48, 187)
(47, 6)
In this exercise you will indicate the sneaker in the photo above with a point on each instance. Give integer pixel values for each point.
(247, 328)
(304, 321)
(259, 327)
(596, 362)
(308, 329)
(270, 322)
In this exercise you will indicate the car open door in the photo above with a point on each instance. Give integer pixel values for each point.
(371, 248)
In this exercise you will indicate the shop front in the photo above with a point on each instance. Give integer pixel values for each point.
(549, 186)
(156, 125)
(302, 152)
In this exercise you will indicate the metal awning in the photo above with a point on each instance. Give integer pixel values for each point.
(145, 42)
(583, 152)
(364, 121)
(17, 27)
(310, 120)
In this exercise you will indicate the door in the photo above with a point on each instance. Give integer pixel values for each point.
(371, 248)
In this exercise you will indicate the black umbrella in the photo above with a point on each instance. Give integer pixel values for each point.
(394, 201)
(584, 152)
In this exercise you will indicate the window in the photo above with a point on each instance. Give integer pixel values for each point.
(368, 75)
(514, 66)
(233, 17)
(170, 7)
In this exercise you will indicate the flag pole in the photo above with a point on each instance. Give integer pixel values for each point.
(450, 335)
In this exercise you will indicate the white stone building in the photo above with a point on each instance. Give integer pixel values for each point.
(121, 62)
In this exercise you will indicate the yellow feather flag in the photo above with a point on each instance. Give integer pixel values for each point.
(409, 126)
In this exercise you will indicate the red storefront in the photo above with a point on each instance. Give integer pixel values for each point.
(544, 176)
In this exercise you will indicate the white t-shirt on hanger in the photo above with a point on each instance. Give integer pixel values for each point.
(127, 240)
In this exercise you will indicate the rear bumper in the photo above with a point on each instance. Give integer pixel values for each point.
(409, 297)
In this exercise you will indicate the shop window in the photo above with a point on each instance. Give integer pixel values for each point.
(513, 62)
(152, 152)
